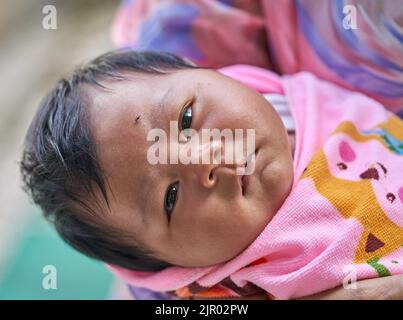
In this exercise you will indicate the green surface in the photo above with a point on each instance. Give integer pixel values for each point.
(77, 276)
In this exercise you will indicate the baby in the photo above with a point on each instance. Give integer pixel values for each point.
(192, 228)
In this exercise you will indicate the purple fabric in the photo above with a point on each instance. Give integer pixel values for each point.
(145, 294)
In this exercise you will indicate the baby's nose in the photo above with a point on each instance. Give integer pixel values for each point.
(199, 161)
(210, 157)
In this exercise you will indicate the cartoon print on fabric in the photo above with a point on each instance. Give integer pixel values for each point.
(390, 134)
(358, 172)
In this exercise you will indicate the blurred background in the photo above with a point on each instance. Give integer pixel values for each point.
(31, 60)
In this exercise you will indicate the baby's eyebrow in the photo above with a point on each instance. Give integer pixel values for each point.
(158, 108)
(162, 103)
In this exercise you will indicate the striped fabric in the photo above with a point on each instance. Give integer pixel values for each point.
(280, 104)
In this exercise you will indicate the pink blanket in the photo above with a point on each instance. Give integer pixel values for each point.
(344, 217)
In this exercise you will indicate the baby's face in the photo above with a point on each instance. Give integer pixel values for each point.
(213, 217)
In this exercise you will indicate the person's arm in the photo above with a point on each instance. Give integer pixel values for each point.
(388, 288)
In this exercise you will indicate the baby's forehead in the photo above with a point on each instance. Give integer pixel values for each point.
(139, 87)
(135, 93)
(142, 93)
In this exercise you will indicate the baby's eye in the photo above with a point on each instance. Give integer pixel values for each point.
(186, 119)
(170, 197)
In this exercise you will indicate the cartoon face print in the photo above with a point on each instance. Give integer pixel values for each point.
(354, 161)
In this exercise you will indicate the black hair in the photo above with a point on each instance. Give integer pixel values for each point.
(59, 164)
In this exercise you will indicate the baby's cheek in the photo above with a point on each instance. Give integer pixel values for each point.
(278, 177)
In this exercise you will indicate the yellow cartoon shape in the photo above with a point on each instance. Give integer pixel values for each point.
(361, 174)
